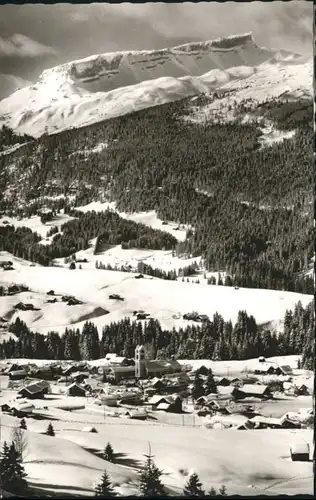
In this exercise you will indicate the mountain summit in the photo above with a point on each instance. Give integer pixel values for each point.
(102, 86)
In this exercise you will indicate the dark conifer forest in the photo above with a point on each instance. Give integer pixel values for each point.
(216, 339)
(250, 206)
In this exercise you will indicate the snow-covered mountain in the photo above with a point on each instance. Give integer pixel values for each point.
(108, 85)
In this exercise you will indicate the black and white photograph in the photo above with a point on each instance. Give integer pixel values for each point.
(156, 249)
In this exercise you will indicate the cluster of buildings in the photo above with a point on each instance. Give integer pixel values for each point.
(158, 385)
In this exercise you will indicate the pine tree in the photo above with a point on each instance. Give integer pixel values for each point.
(23, 424)
(222, 491)
(149, 480)
(212, 492)
(198, 389)
(194, 487)
(50, 430)
(104, 487)
(12, 473)
(210, 383)
(109, 453)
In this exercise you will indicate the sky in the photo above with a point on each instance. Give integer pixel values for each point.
(36, 37)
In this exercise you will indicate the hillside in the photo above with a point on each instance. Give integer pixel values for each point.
(55, 464)
(164, 300)
(102, 86)
(262, 234)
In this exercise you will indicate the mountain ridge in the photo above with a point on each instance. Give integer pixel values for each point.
(102, 86)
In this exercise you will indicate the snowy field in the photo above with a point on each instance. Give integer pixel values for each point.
(164, 300)
(149, 219)
(34, 223)
(56, 463)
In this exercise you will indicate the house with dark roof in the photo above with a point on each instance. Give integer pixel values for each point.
(44, 373)
(172, 404)
(35, 390)
(222, 381)
(75, 390)
(68, 370)
(130, 398)
(301, 390)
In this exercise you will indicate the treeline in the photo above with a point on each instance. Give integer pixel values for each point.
(143, 269)
(216, 339)
(251, 207)
(108, 227)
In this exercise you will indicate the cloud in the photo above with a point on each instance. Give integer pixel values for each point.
(18, 45)
(10, 83)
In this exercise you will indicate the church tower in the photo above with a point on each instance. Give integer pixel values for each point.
(140, 362)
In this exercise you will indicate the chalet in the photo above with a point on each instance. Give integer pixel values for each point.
(130, 398)
(202, 370)
(35, 390)
(288, 423)
(69, 370)
(92, 385)
(265, 369)
(254, 390)
(158, 384)
(18, 375)
(115, 296)
(222, 381)
(11, 368)
(76, 390)
(74, 302)
(8, 267)
(260, 422)
(286, 370)
(6, 263)
(166, 403)
(229, 392)
(14, 289)
(42, 373)
(5, 408)
(300, 452)
(245, 426)
(301, 390)
(21, 409)
(237, 382)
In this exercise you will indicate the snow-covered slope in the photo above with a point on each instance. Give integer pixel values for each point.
(164, 300)
(108, 85)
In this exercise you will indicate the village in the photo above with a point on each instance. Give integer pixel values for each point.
(144, 389)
